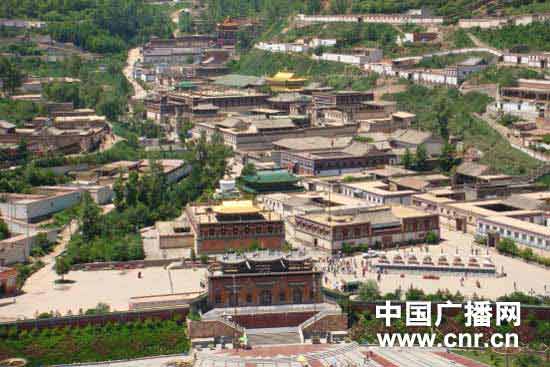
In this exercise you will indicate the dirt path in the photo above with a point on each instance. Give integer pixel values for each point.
(133, 56)
(477, 41)
(175, 17)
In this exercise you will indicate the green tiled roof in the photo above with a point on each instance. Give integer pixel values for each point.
(186, 85)
(271, 177)
(238, 81)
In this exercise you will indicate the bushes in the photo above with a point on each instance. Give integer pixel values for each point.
(509, 247)
(432, 238)
(94, 343)
(336, 75)
(350, 249)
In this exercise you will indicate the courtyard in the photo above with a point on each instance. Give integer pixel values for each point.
(112, 287)
(520, 276)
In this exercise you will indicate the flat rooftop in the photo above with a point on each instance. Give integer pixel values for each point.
(520, 225)
(378, 188)
(483, 208)
(237, 211)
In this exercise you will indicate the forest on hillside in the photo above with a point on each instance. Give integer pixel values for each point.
(103, 26)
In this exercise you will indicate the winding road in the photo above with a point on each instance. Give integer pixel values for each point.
(133, 56)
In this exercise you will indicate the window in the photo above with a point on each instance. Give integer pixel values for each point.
(217, 298)
(265, 297)
(282, 297)
(296, 295)
(249, 298)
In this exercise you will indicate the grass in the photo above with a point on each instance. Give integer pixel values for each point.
(425, 102)
(336, 75)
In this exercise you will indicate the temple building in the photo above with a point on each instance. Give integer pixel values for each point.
(227, 32)
(286, 82)
(380, 227)
(234, 225)
(266, 297)
(267, 181)
(265, 278)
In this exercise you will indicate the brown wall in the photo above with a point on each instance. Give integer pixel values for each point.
(254, 284)
(222, 245)
(272, 320)
(83, 320)
(210, 329)
(328, 323)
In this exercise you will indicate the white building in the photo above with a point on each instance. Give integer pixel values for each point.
(534, 234)
(377, 193)
(31, 208)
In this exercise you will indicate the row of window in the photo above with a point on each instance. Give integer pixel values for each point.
(265, 297)
(522, 237)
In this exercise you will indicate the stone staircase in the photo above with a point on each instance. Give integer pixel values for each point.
(274, 336)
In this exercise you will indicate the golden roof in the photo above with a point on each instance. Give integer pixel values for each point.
(237, 207)
(283, 76)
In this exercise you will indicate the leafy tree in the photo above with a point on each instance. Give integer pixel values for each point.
(185, 23)
(407, 159)
(118, 190)
(89, 218)
(447, 160)
(10, 75)
(339, 6)
(421, 157)
(415, 294)
(62, 266)
(369, 291)
(132, 189)
(4, 231)
(248, 170)
(22, 150)
(432, 238)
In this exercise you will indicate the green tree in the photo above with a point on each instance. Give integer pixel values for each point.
(369, 291)
(10, 75)
(62, 266)
(421, 157)
(132, 189)
(249, 170)
(89, 218)
(407, 159)
(447, 160)
(118, 190)
(4, 231)
(23, 150)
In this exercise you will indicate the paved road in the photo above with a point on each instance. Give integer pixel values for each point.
(133, 56)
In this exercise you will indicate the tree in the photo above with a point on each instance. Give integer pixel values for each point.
(339, 6)
(89, 218)
(132, 189)
(10, 75)
(118, 189)
(4, 231)
(447, 160)
(249, 170)
(22, 150)
(369, 291)
(421, 157)
(432, 238)
(407, 159)
(62, 266)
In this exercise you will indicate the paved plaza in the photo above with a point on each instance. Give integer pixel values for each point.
(42, 295)
(335, 355)
(113, 287)
(526, 277)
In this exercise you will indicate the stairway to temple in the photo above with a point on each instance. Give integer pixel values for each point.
(274, 336)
